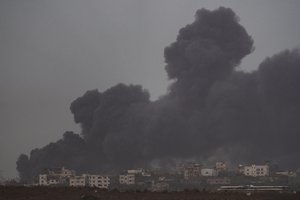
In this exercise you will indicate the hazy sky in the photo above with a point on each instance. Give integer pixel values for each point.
(51, 52)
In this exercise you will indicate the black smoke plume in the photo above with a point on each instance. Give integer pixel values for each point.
(210, 112)
(205, 51)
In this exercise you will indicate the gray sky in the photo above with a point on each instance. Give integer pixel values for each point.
(51, 52)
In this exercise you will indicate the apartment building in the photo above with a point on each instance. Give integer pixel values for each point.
(55, 176)
(255, 170)
(127, 179)
(78, 181)
(99, 181)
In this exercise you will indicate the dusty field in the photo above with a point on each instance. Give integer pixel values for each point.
(64, 193)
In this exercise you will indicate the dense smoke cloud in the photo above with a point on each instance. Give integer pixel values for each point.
(205, 51)
(210, 112)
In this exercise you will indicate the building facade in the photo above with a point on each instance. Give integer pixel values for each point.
(78, 181)
(99, 181)
(192, 171)
(127, 179)
(221, 166)
(55, 176)
(209, 172)
(255, 170)
(63, 176)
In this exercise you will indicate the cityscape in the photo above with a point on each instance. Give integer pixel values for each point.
(150, 100)
(185, 176)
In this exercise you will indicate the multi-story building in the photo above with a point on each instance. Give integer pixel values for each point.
(209, 172)
(127, 179)
(255, 170)
(43, 179)
(99, 181)
(221, 166)
(191, 171)
(134, 176)
(56, 176)
(78, 181)
(63, 176)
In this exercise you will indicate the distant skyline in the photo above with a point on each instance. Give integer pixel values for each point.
(53, 51)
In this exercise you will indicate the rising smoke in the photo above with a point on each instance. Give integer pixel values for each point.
(210, 111)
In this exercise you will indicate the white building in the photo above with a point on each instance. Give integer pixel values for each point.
(43, 179)
(78, 181)
(209, 172)
(95, 180)
(56, 176)
(127, 179)
(255, 170)
(62, 176)
(48, 180)
(99, 181)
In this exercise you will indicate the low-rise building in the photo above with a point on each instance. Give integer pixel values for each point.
(191, 171)
(134, 176)
(209, 172)
(221, 166)
(286, 173)
(135, 171)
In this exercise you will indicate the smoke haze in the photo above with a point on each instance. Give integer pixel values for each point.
(211, 111)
